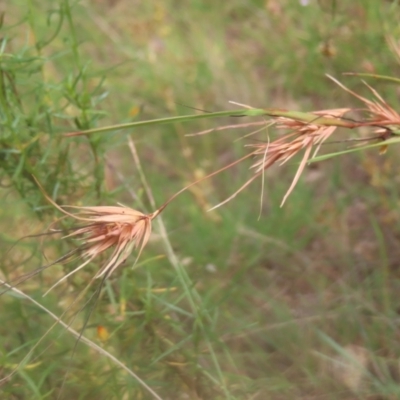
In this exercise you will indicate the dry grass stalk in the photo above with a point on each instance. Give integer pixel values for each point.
(78, 335)
(225, 127)
(394, 46)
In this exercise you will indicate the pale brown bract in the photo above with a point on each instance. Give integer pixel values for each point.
(103, 228)
(119, 228)
(302, 135)
(381, 114)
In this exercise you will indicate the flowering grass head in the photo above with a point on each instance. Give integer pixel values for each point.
(119, 229)
(302, 135)
(380, 113)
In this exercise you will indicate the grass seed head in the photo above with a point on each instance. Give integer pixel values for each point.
(381, 114)
(302, 135)
(117, 227)
(101, 228)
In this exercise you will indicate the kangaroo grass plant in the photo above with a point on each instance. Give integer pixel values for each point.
(124, 229)
(118, 230)
(307, 131)
(199, 321)
(102, 228)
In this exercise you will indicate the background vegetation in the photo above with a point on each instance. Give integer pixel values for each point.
(299, 303)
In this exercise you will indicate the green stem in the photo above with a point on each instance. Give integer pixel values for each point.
(255, 112)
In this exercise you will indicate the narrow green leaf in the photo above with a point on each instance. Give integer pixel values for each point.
(168, 120)
(354, 149)
(375, 76)
(254, 112)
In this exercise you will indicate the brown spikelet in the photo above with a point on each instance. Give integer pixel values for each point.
(381, 114)
(119, 228)
(303, 135)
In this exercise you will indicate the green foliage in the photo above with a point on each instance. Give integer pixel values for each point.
(39, 103)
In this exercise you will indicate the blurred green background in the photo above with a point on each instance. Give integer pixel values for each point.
(299, 303)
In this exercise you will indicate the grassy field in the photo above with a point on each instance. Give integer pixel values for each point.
(249, 301)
